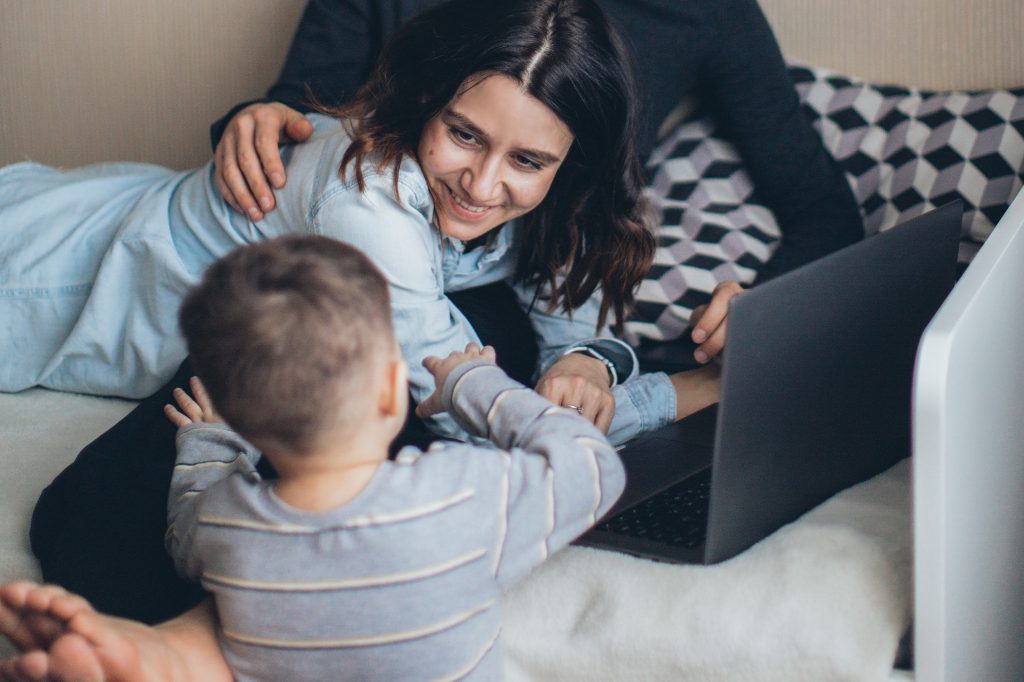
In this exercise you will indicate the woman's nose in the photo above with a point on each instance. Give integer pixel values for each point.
(482, 181)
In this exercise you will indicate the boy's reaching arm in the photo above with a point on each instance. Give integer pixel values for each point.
(560, 473)
(208, 452)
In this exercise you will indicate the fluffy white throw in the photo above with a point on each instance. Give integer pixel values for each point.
(824, 598)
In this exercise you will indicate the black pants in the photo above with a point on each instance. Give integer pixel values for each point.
(98, 529)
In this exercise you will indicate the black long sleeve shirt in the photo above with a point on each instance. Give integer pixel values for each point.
(722, 51)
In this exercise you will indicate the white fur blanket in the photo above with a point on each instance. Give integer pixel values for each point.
(825, 598)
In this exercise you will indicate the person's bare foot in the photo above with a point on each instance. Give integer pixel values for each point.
(61, 637)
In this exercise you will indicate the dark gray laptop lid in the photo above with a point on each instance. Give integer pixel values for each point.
(817, 377)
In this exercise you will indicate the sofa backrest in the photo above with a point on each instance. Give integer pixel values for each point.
(141, 79)
(932, 44)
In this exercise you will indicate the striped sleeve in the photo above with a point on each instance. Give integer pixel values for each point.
(561, 475)
(207, 454)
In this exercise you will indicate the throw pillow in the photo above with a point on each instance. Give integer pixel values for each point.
(903, 151)
(906, 151)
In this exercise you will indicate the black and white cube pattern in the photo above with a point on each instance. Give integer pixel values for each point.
(904, 151)
(712, 228)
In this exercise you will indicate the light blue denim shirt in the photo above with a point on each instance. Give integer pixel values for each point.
(106, 253)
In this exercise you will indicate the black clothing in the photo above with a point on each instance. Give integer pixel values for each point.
(722, 51)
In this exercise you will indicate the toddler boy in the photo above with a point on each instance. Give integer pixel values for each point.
(350, 565)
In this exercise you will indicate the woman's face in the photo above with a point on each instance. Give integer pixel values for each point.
(490, 155)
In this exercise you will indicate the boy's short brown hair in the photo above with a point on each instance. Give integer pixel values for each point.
(285, 333)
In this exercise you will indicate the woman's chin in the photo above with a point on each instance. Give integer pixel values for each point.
(465, 231)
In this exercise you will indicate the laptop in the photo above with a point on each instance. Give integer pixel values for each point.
(815, 397)
(968, 470)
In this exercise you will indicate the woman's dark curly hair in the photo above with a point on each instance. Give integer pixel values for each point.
(566, 55)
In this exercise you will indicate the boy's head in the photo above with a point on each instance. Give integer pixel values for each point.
(291, 336)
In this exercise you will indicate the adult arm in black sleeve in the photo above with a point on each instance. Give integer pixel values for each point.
(743, 77)
(333, 50)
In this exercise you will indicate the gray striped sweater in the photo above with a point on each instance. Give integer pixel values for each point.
(403, 581)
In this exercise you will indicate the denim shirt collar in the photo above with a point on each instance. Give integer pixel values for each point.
(498, 243)
(457, 263)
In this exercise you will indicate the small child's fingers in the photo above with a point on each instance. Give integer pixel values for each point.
(430, 362)
(472, 347)
(430, 406)
(202, 397)
(176, 418)
(489, 353)
(189, 406)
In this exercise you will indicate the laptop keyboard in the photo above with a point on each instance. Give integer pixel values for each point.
(676, 516)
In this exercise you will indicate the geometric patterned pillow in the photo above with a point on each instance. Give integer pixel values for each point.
(906, 151)
(903, 151)
(712, 228)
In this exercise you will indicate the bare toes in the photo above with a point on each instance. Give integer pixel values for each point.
(31, 666)
(44, 627)
(14, 594)
(25, 616)
(39, 599)
(67, 606)
(73, 659)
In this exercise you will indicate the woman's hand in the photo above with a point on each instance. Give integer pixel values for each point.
(709, 321)
(248, 157)
(192, 411)
(580, 382)
(442, 368)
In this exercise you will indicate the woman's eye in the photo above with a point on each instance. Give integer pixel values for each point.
(527, 162)
(462, 136)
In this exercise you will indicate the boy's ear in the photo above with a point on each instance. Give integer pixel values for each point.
(393, 398)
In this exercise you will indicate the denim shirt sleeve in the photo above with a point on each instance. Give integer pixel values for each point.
(642, 404)
(397, 235)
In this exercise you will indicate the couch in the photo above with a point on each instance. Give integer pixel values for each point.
(827, 597)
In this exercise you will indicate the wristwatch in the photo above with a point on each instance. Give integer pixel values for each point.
(615, 355)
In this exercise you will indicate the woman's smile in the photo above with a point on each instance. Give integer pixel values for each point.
(468, 211)
(490, 156)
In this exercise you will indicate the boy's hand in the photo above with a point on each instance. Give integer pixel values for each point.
(442, 368)
(195, 411)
